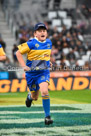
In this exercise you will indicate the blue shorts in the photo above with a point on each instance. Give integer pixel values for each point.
(35, 78)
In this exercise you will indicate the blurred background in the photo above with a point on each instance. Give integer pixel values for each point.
(69, 28)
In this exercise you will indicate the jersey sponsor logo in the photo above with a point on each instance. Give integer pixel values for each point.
(39, 56)
(48, 45)
(46, 55)
(34, 86)
(42, 77)
(43, 56)
(36, 45)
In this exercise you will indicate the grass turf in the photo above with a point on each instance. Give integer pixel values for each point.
(69, 120)
(57, 97)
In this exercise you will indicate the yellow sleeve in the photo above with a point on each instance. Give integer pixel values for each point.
(23, 48)
(2, 53)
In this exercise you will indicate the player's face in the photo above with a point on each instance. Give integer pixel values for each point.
(41, 34)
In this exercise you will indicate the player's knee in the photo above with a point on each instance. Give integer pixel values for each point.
(35, 98)
(45, 92)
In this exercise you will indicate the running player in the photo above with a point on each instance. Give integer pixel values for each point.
(37, 67)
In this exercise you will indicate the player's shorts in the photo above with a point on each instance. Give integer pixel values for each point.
(35, 78)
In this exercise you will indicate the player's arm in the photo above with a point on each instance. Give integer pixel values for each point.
(23, 48)
(2, 54)
(2, 58)
(50, 57)
(21, 61)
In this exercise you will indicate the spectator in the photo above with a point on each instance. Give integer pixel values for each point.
(80, 48)
(71, 57)
(63, 64)
(14, 54)
(85, 10)
(72, 45)
(65, 45)
(55, 53)
(80, 37)
(59, 46)
(54, 65)
(64, 41)
(54, 39)
(64, 30)
(68, 37)
(23, 36)
(87, 66)
(54, 50)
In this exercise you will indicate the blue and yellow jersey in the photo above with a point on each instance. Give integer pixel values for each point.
(38, 53)
(2, 53)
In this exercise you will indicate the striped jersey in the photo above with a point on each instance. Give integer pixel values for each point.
(38, 53)
(2, 53)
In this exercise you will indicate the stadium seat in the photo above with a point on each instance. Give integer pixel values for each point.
(56, 22)
(67, 63)
(88, 53)
(62, 14)
(67, 22)
(52, 14)
(59, 29)
(58, 62)
(66, 51)
(85, 58)
(77, 54)
(68, 4)
(81, 62)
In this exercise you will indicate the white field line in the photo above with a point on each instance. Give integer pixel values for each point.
(66, 131)
(85, 108)
(10, 117)
(38, 112)
(20, 121)
(58, 105)
(56, 130)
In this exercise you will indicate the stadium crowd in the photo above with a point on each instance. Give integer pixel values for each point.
(68, 45)
(69, 48)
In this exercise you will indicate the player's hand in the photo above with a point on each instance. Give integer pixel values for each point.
(26, 68)
(51, 64)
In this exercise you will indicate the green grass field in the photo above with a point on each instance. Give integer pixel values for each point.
(57, 97)
(70, 110)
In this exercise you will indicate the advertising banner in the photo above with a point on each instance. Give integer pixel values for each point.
(56, 84)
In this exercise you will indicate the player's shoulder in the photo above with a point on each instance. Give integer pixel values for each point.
(32, 40)
(0, 46)
(48, 40)
(31, 43)
(49, 43)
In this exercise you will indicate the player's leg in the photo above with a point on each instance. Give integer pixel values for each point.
(2, 58)
(32, 95)
(34, 89)
(45, 98)
(46, 102)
